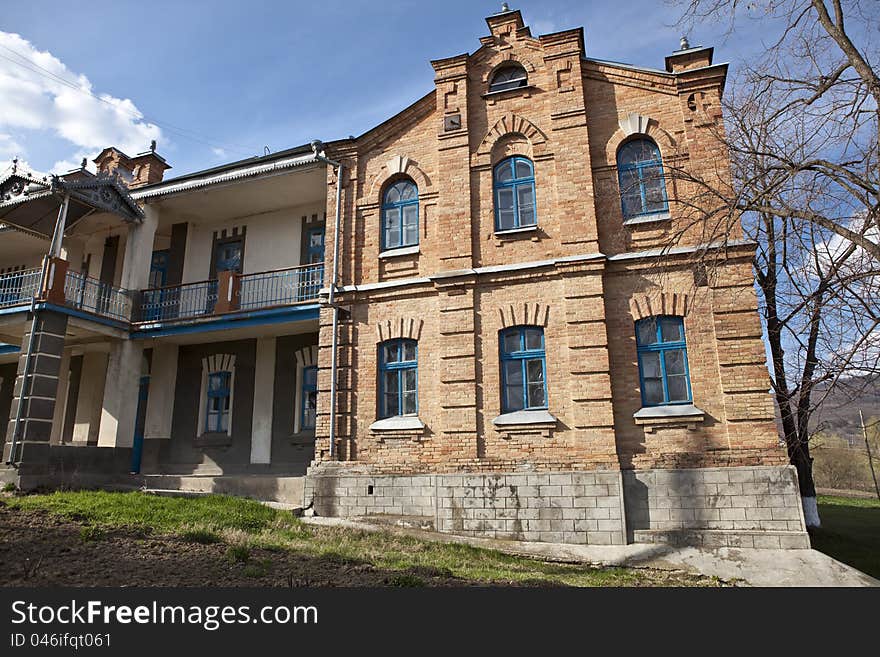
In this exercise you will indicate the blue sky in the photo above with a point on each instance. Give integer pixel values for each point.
(225, 79)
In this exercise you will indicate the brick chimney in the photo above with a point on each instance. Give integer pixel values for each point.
(142, 169)
(689, 58)
(148, 167)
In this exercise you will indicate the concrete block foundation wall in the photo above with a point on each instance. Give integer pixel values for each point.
(713, 507)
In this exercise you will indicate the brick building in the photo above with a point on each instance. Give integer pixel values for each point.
(502, 339)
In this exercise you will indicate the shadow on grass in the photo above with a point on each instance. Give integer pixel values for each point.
(850, 534)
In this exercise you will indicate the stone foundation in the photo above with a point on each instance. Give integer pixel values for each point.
(715, 507)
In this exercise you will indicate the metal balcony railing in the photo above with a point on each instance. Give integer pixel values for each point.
(281, 287)
(187, 301)
(231, 293)
(18, 288)
(91, 295)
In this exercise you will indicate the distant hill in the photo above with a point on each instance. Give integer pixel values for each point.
(838, 413)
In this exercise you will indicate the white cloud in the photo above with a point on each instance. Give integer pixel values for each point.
(32, 100)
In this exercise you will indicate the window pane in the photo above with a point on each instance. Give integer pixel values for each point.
(651, 365)
(513, 372)
(511, 342)
(523, 169)
(392, 218)
(526, 199)
(409, 403)
(390, 352)
(514, 400)
(653, 391)
(536, 395)
(411, 215)
(407, 191)
(410, 225)
(393, 194)
(506, 218)
(391, 397)
(647, 332)
(677, 386)
(409, 351)
(655, 193)
(409, 380)
(504, 172)
(310, 376)
(310, 410)
(534, 339)
(535, 371)
(674, 361)
(671, 330)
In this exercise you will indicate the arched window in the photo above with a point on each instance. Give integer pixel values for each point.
(398, 378)
(640, 174)
(663, 366)
(509, 77)
(514, 185)
(400, 215)
(523, 369)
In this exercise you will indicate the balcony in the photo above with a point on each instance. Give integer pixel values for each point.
(19, 288)
(231, 293)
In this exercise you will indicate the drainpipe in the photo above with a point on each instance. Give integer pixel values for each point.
(55, 252)
(331, 300)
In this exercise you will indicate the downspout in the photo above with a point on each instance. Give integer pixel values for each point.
(54, 252)
(331, 299)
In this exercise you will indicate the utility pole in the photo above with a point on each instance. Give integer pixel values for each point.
(868, 448)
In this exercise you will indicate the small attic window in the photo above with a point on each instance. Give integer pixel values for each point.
(509, 77)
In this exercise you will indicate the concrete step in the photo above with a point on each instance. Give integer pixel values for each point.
(296, 509)
(263, 487)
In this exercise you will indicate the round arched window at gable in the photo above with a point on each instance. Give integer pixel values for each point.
(509, 77)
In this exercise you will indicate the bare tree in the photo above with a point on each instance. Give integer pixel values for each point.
(802, 126)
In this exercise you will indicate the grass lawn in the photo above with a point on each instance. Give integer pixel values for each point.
(850, 532)
(254, 536)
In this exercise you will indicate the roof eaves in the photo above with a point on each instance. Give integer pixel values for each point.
(226, 174)
(642, 69)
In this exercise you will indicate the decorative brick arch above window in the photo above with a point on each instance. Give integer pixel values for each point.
(643, 306)
(526, 314)
(211, 364)
(307, 356)
(406, 328)
(511, 124)
(399, 165)
(638, 124)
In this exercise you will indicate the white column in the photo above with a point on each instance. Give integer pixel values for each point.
(264, 389)
(88, 403)
(61, 398)
(163, 381)
(119, 410)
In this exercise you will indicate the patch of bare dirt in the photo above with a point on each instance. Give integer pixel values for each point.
(39, 549)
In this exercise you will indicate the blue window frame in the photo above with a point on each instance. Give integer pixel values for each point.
(398, 378)
(663, 368)
(218, 405)
(400, 215)
(309, 397)
(640, 174)
(523, 369)
(513, 181)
